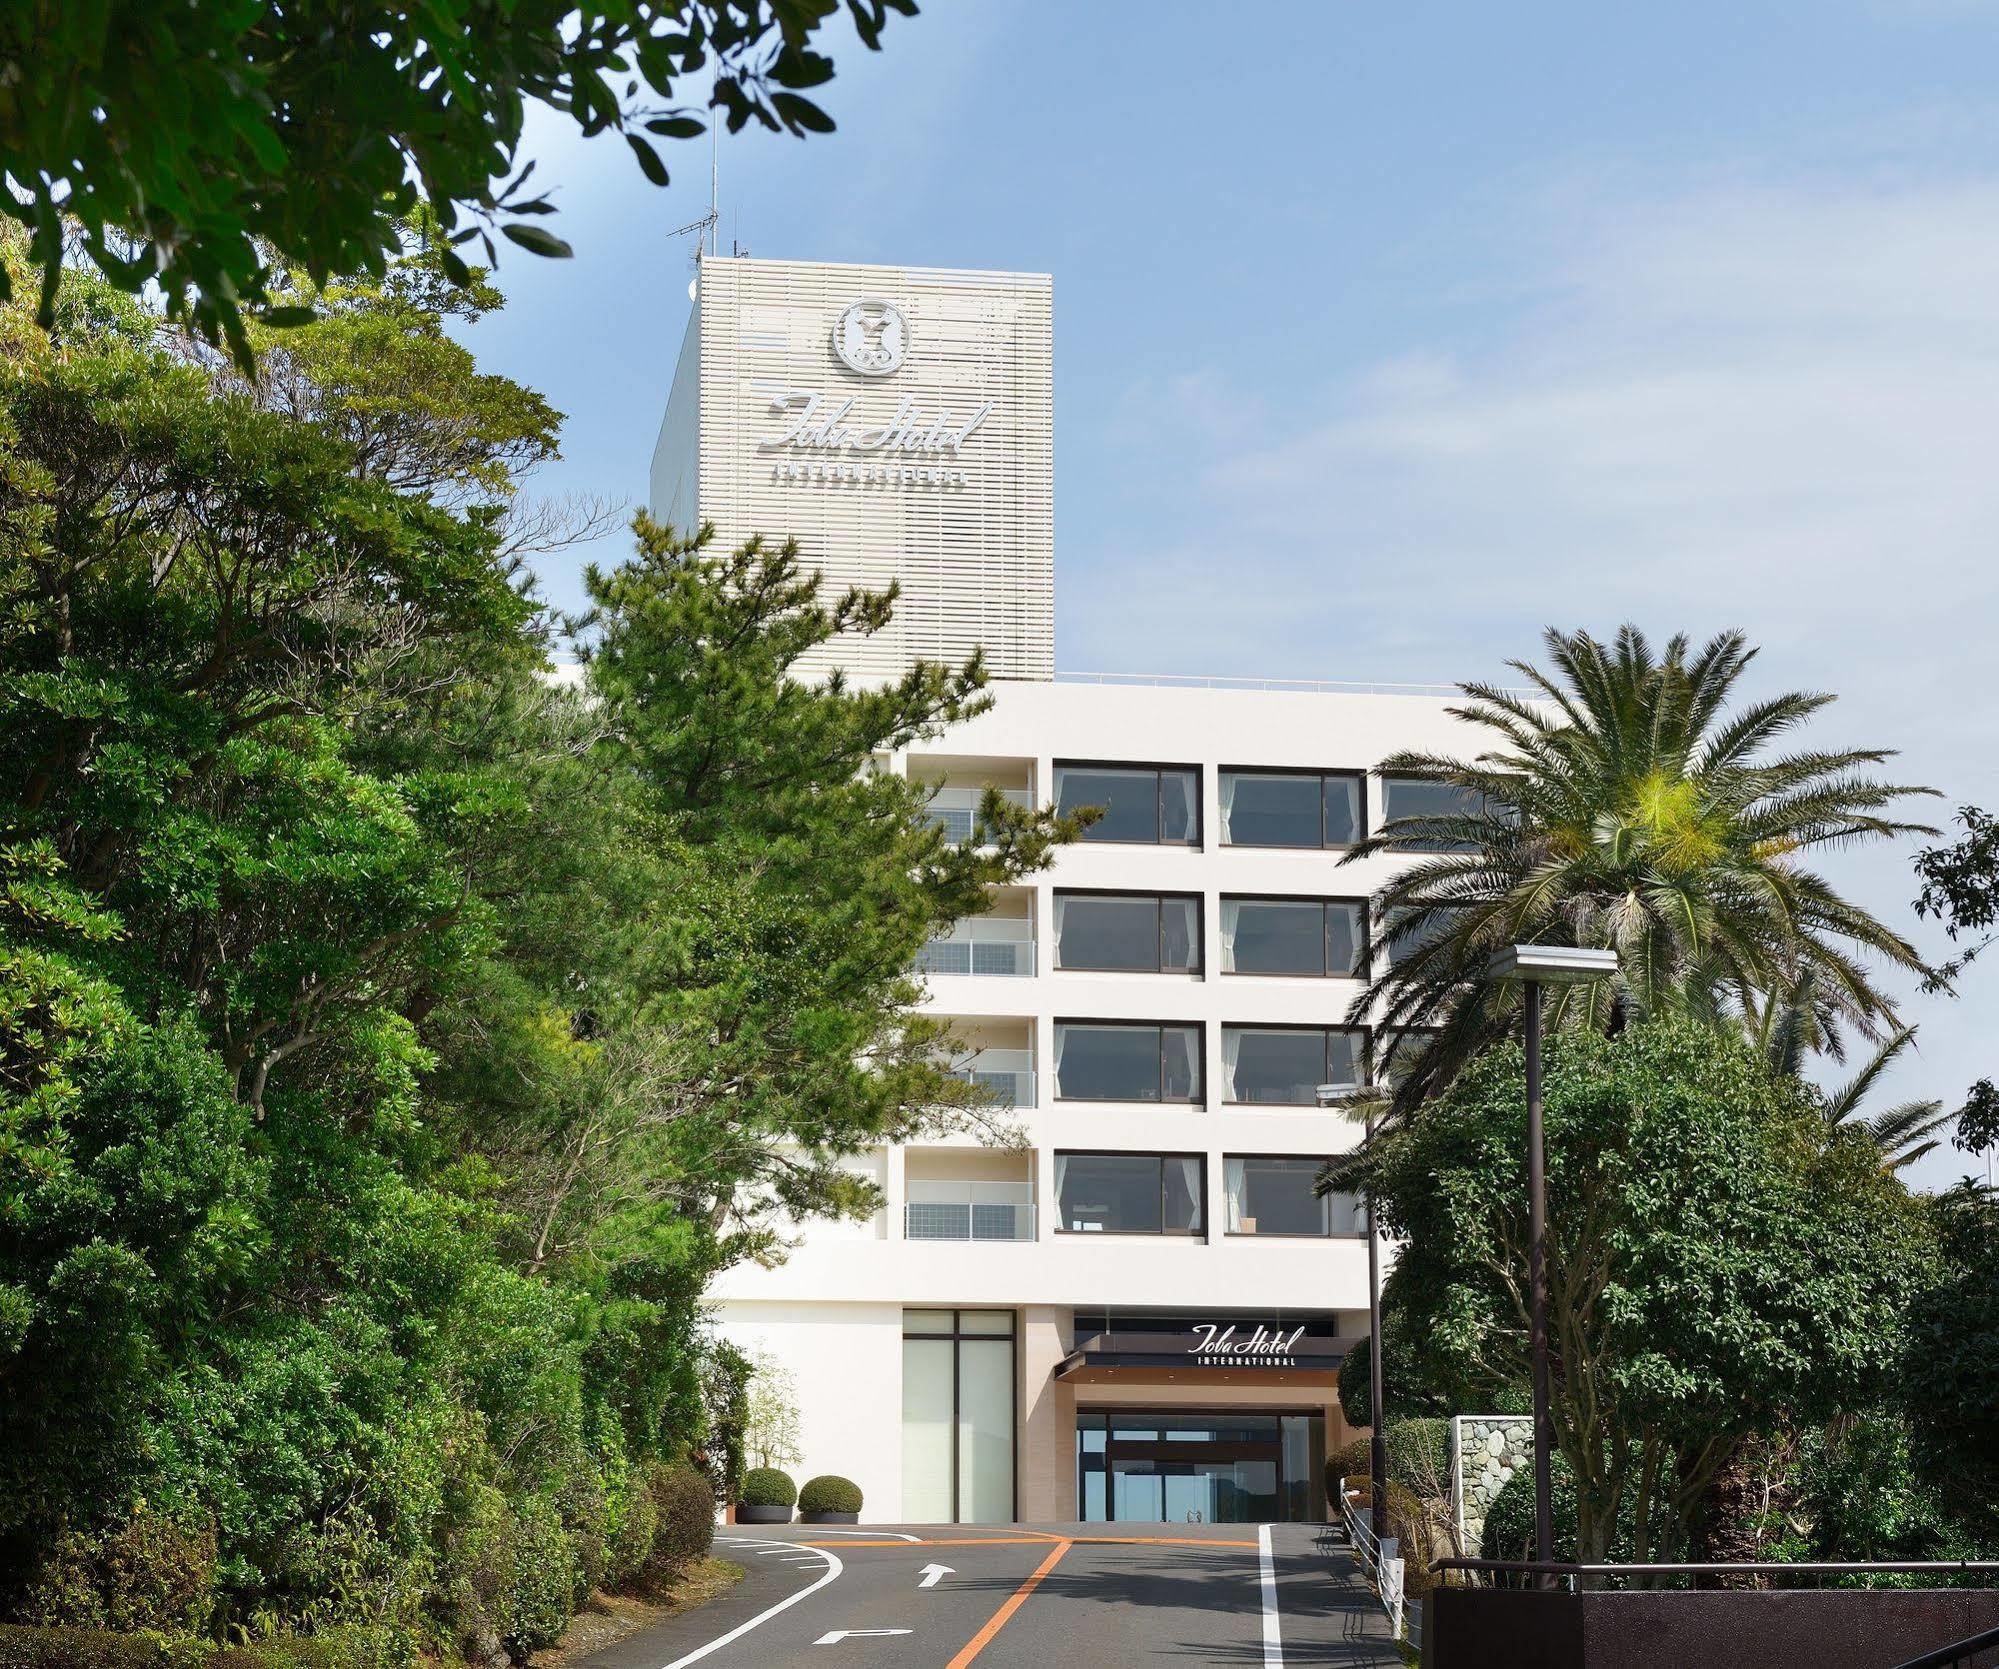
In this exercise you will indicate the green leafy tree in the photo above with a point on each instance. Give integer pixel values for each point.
(1720, 1261)
(184, 144)
(1624, 805)
(1951, 1373)
(1960, 888)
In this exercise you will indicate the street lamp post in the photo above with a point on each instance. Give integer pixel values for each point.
(1536, 966)
(1330, 1095)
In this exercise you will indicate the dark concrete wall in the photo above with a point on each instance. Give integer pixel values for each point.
(1488, 1628)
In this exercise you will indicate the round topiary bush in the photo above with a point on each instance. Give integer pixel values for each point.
(766, 1497)
(830, 1500)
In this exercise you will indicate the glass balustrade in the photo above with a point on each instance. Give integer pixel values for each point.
(982, 947)
(956, 810)
(969, 1211)
(1007, 1073)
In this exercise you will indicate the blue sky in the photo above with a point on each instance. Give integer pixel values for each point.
(1387, 335)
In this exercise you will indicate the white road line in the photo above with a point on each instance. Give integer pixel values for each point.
(875, 1535)
(833, 1569)
(1273, 1638)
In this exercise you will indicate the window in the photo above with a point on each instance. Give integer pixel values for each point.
(1106, 1061)
(1129, 1193)
(1146, 805)
(1139, 933)
(1283, 1066)
(1396, 1051)
(1411, 797)
(958, 1416)
(1266, 1195)
(1311, 937)
(1291, 808)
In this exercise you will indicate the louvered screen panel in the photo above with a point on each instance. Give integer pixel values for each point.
(975, 560)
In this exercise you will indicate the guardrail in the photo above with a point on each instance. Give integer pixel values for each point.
(982, 948)
(1536, 1573)
(969, 1211)
(1381, 1563)
(1959, 1652)
(956, 810)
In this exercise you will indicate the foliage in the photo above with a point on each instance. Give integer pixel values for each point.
(725, 1380)
(85, 1648)
(1509, 1521)
(829, 1494)
(1718, 1259)
(770, 1423)
(1902, 1133)
(186, 144)
(394, 1041)
(1403, 1389)
(1951, 1370)
(1629, 808)
(765, 1486)
(1960, 888)
(686, 1523)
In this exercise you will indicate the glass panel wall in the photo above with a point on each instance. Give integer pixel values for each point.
(1150, 1467)
(1310, 809)
(1128, 932)
(958, 1416)
(1129, 1193)
(1142, 805)
(1312, 938)
(1104, 1061)
(1283, 1066)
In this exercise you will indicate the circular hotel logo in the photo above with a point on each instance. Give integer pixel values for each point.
(870, 337)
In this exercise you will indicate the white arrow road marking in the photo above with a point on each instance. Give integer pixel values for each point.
(834, 1636)
(1273, 1639)
(930, 1574)
(833, 1569)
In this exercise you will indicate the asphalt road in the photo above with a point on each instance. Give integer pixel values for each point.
(825, 1597)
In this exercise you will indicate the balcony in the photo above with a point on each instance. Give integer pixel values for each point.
(969, 1211)
(956, 810)
(1007, 1073)
(982, 947)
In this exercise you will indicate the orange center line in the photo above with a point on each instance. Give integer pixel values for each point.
(1014, 1602)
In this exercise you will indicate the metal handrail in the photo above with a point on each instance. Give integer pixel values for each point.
(1771, 1567)
(1958, 1651)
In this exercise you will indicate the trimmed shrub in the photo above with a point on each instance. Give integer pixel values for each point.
(90, 1648)
(630, 1543)
(686, 1507)
(1350, 1460)
(543, 1582)
(151, 1571)
(829, 1494)
(347, 1647)
(766, 1486)
(1509, 1522)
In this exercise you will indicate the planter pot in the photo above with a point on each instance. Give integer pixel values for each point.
(747, 1514)
(830, 1518)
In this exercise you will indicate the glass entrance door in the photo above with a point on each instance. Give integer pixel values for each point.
(1153, 1467)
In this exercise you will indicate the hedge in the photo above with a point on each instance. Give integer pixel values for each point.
(766, 1486)
(686, 1521)
(830, 1494)
(91, 1648)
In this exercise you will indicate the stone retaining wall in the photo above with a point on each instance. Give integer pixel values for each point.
(1486, 1450)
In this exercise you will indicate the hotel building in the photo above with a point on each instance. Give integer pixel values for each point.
(1139, 1314)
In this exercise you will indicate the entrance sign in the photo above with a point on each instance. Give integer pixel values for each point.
(1215, 1346)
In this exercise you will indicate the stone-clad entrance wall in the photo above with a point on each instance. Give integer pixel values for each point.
(1486, 1450)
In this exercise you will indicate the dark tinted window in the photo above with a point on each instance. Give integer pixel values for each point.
(1141, 805)
(1110, 1062)
(1129, 1193)
(1407, 797)
(1127, 932)
(1274, 1196)
(1290, 808)
(1283, 1066)
(1292, 936)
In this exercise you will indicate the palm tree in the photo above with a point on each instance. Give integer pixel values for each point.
(1903, 1133)
(1624, 805)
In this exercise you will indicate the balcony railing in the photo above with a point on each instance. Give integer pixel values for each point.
(1000, 947)
(1007, 1073)
(969, 1211)
(956, 810)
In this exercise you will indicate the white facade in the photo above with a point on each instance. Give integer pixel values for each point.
(1116, 1328)
(933, 467)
